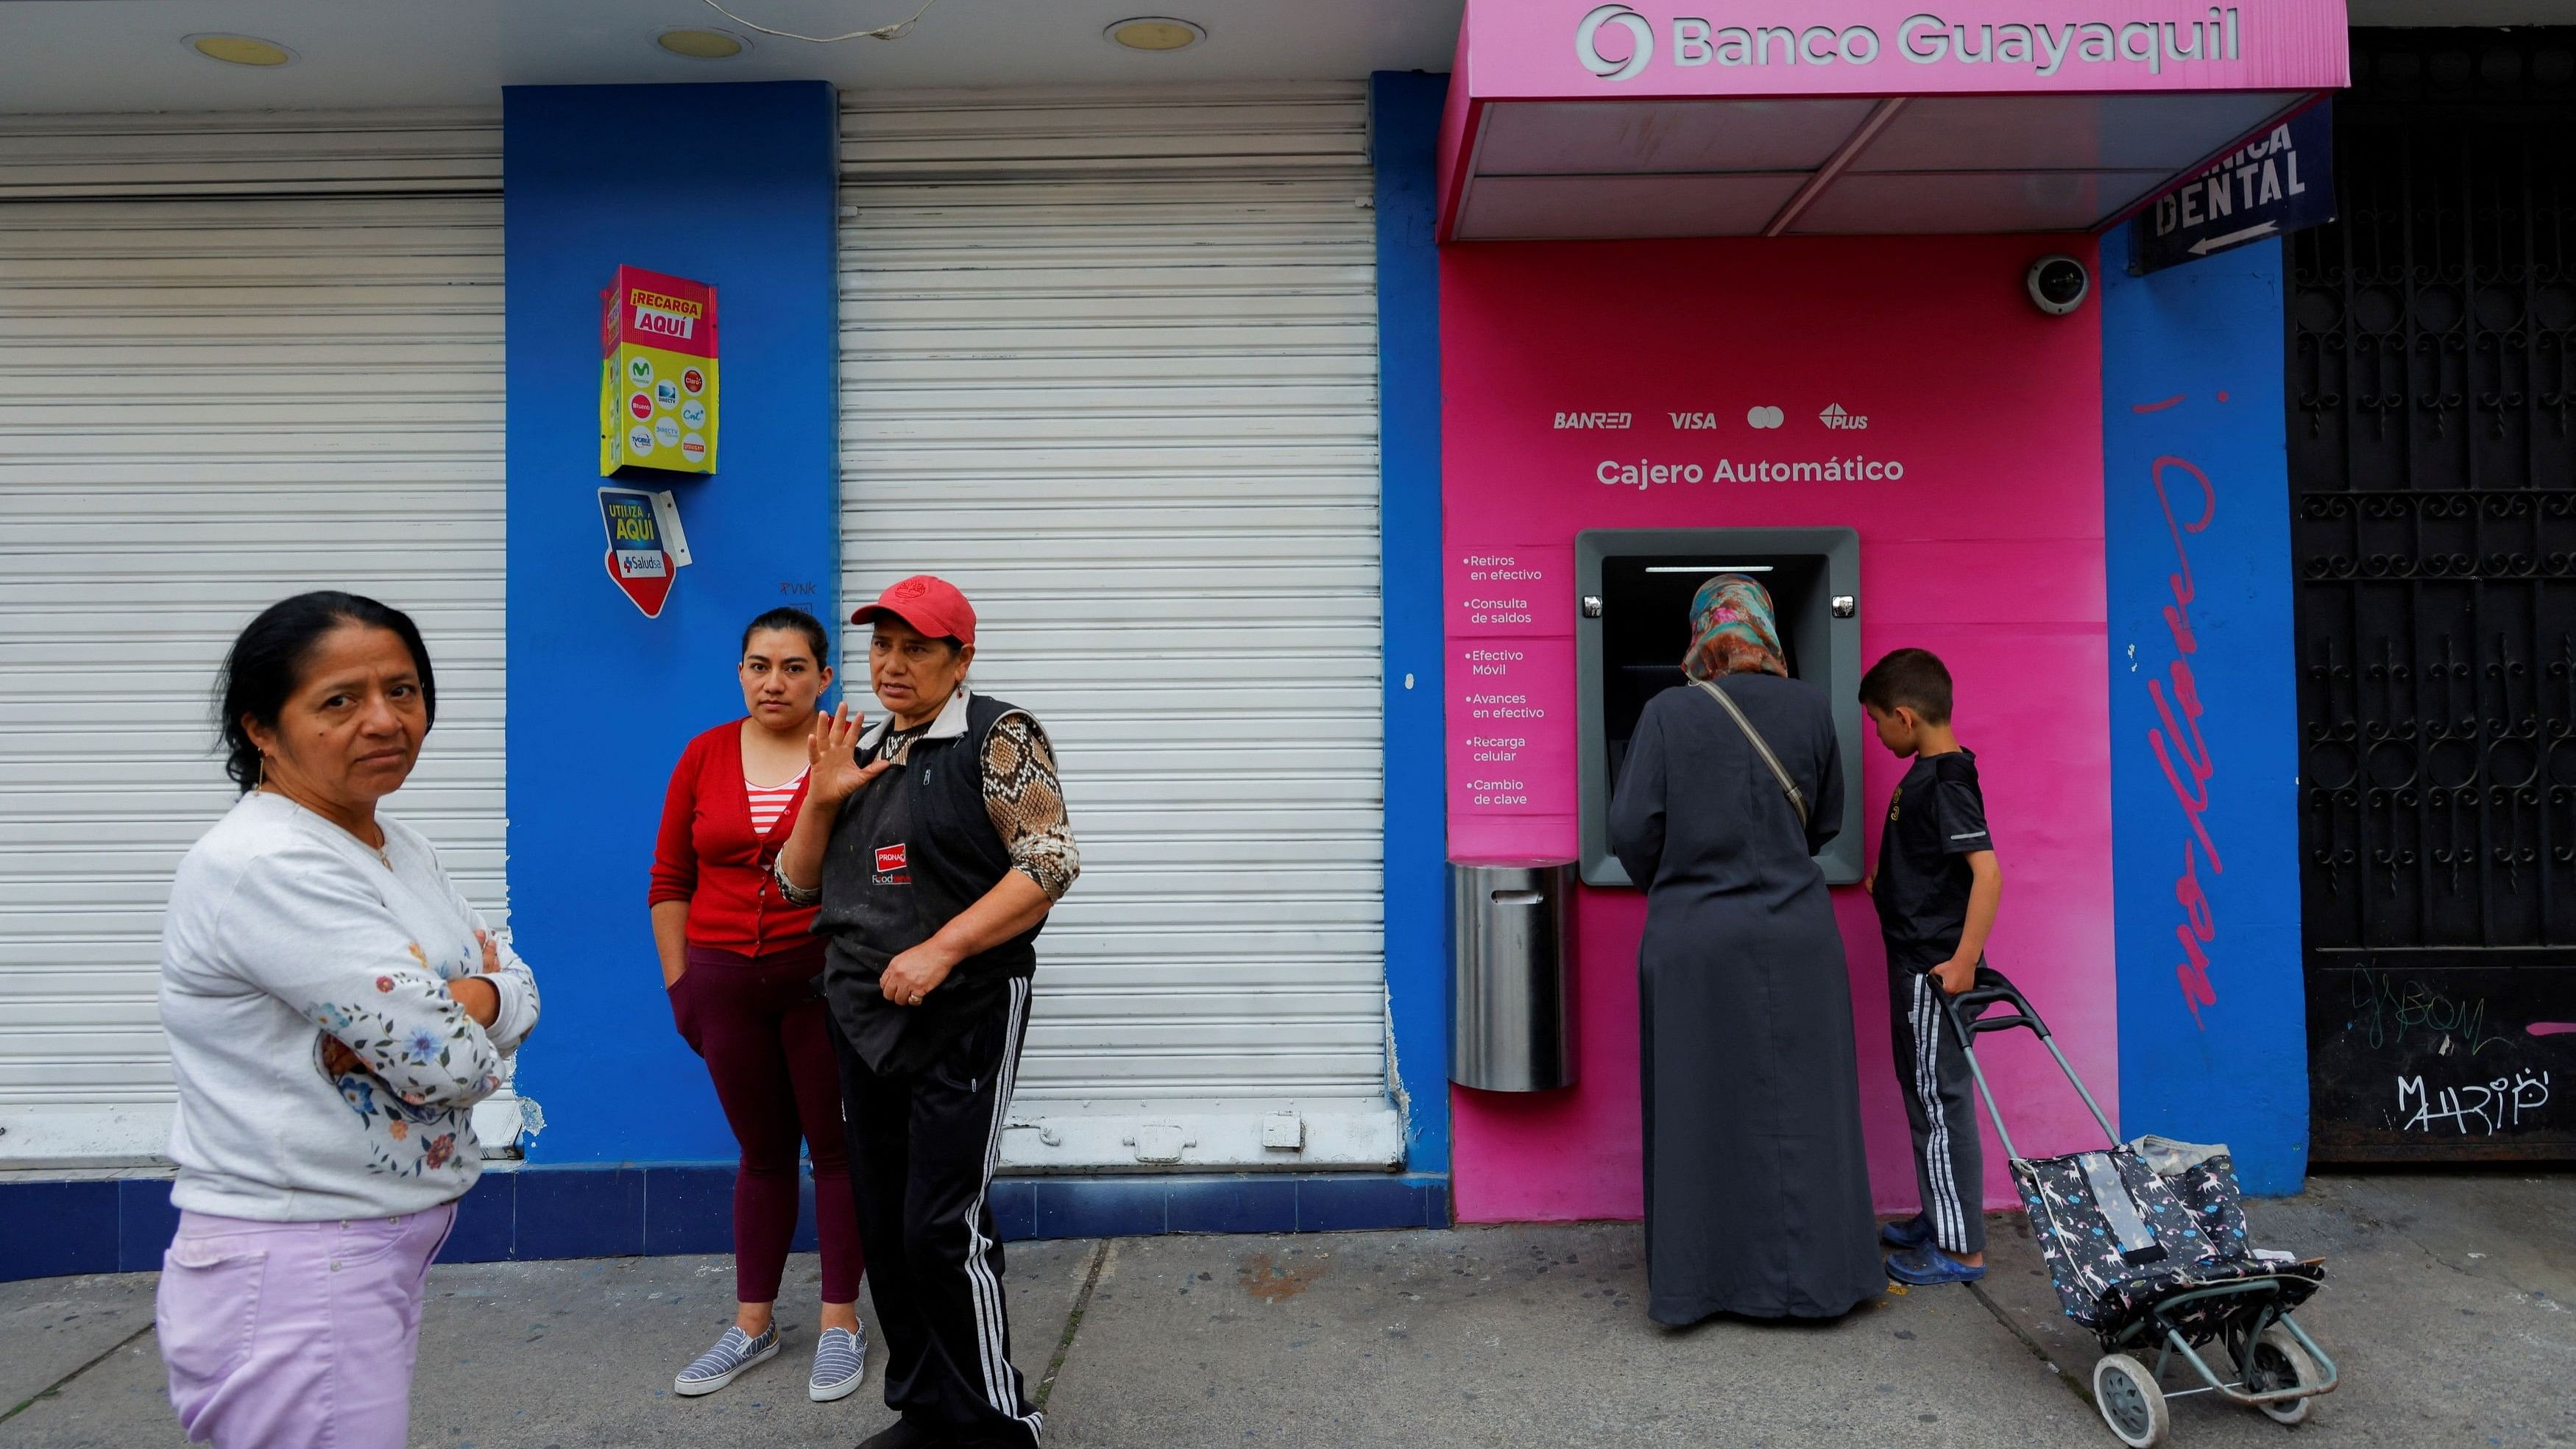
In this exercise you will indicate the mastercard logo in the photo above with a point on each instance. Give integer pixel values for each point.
(640, 405)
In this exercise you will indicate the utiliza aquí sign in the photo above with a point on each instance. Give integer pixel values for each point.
(2278, 183)
(646, 549)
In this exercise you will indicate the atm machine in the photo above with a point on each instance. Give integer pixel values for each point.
(1633, 627)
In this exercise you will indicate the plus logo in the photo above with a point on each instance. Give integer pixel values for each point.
(1835, 418)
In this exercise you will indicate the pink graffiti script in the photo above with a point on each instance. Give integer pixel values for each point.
(2180, 750)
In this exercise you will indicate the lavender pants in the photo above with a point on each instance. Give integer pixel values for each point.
(296, 1335)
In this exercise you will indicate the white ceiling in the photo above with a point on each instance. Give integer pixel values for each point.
(128, 55)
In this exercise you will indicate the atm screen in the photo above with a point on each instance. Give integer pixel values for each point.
(1635, 586)
(1646, 626)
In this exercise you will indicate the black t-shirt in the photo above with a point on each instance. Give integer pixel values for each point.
(1935, 820)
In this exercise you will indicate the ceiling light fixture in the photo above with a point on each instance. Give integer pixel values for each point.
(240, 49)
(1155, 32)
(702, 44)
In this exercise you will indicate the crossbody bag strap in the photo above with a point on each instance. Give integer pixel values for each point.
(1762, 747)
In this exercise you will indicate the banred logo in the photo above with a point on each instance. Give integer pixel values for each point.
(693, 380)
(641, 405)
(890, 858)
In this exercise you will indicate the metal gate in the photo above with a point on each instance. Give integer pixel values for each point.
(2432, 447)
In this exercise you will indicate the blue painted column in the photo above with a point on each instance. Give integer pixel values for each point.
(1404, 130)
(732, 185)
(2204, 714)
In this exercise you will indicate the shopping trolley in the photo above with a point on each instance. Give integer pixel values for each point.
(2146, 1246)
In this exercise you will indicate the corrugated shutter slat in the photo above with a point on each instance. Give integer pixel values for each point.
(1109, 362)
(257, 353)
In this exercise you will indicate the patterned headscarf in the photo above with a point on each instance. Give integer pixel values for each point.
(1732, 631)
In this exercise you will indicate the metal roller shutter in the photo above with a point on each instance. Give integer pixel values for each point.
(1110, 363)
(239, 356)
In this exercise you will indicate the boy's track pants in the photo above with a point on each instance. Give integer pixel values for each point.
(922, 1151)
(1932, 1073)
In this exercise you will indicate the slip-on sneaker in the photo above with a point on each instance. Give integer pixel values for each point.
(840, 1361)
(1914, 1232)
(1924, 1267)
(725, 1362)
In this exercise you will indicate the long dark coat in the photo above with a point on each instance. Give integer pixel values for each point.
(1757, 1183)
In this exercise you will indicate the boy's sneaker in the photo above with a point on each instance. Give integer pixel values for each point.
(1926, 1266)
(840, 1361)
(1914, 1232)
(725, 1362)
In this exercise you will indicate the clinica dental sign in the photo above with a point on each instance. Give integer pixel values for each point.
(2277, 183)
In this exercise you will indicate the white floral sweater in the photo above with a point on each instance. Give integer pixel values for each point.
(283, 931)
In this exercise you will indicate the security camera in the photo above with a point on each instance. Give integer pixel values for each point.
(2057, 284)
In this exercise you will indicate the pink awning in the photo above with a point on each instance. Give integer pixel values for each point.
(1573, 119)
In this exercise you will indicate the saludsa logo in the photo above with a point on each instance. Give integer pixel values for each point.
(1641, 48)
(1834, 417)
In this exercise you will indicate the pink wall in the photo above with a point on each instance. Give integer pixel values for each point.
(1987, 551)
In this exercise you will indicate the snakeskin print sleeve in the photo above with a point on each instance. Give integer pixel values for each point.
(1026, 802)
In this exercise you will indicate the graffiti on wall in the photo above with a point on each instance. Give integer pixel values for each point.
(2181, 751)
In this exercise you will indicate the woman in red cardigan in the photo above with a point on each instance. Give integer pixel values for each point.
(741, 964)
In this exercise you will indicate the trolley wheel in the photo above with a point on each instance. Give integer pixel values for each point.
(2130, 1400)
(2280, 1363)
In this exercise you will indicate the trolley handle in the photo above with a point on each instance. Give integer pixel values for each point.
(1966, 1009)
(1966, 1012)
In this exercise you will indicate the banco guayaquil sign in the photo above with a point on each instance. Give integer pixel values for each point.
(2278, 183)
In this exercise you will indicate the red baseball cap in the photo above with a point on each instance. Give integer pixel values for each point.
(929, 604)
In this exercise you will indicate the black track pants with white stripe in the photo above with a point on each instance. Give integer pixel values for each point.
(922, 1151)
(1939, 1096)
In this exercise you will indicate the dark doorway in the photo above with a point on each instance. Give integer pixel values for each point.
(2432, 447)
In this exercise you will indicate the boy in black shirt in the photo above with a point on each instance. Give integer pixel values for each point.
(1936, 886)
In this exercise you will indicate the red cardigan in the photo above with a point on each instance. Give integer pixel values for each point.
(708, 856)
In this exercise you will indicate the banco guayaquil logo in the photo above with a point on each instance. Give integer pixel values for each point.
(1641, 35)
(1834, 417)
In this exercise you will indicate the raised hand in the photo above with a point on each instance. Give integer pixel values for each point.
(831, 757)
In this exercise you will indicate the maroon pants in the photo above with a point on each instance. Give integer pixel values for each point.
(763, 1031)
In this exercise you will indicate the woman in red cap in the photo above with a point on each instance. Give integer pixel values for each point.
(740, 960)
(934, 844)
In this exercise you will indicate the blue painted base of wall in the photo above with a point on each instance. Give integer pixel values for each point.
(52, 1228)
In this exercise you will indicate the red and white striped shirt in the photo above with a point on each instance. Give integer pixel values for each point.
(768, 802)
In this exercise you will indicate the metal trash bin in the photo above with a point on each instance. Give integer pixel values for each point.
(1511, 996)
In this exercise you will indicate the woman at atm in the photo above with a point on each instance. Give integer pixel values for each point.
(1757, 1183)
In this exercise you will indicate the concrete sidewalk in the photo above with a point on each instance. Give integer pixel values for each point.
(2448, 1309)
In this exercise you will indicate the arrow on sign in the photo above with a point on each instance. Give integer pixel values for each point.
(2208, 244)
